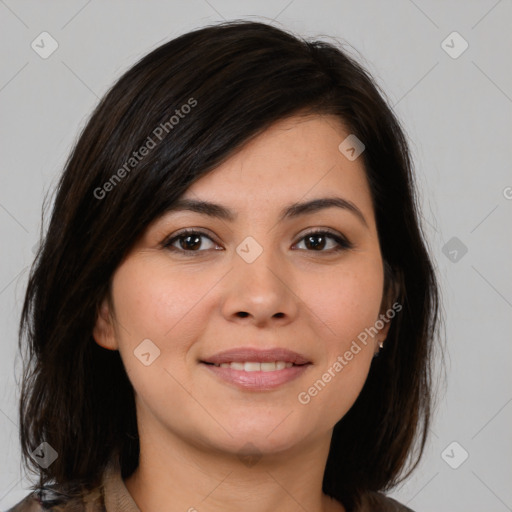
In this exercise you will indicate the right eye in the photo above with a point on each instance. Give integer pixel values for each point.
(189, 241)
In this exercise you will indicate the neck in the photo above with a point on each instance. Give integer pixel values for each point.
(175, 473)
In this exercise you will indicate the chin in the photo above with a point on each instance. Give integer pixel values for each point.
(266, 437)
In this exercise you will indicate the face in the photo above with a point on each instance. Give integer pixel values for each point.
(298, 289)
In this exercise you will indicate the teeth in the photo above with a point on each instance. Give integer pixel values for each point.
(250, 366)
(267, 367)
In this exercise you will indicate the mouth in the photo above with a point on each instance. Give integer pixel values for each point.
(252, 357)
(256, 370)
(255, 366)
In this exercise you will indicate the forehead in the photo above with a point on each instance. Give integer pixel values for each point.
(297, 158)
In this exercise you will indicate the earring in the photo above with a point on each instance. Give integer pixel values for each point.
(381, 344)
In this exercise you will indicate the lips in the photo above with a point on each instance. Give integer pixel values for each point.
(243, 355)
(256, 370)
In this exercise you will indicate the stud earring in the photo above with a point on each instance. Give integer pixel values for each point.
(377, 353)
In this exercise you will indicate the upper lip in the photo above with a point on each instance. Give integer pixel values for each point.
(256, 355)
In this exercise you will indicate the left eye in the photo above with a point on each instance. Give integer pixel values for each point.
(317, 241)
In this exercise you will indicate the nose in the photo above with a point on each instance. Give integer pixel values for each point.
(260, 292)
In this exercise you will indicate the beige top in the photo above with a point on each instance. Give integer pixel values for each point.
(113, 496)
(116, 495)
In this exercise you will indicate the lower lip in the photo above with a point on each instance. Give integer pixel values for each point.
(257, 381)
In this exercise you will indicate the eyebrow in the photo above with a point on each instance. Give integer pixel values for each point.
(291, 211)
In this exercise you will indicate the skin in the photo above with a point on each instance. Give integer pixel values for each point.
(192, 425)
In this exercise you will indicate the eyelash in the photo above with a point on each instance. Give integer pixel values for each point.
(343, 243)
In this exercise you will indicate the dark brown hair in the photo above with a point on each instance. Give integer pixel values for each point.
(238, 78)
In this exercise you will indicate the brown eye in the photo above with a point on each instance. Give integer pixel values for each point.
(189, 241)
(318, 240)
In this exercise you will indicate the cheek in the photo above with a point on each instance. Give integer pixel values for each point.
(155, 300)
(155, 303)
(345, 308)
(345, 302)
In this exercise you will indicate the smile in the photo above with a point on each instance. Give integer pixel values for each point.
(254, 369)
(250, 366)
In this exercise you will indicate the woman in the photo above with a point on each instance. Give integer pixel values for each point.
(233, 306)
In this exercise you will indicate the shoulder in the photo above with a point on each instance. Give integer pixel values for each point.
(51, 499)
(378, 502)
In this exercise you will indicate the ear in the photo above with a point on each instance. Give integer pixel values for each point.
(103, 332)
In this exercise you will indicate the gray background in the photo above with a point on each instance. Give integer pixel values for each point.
(456, 112)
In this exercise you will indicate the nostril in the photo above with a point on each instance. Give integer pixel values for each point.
(243, 314)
